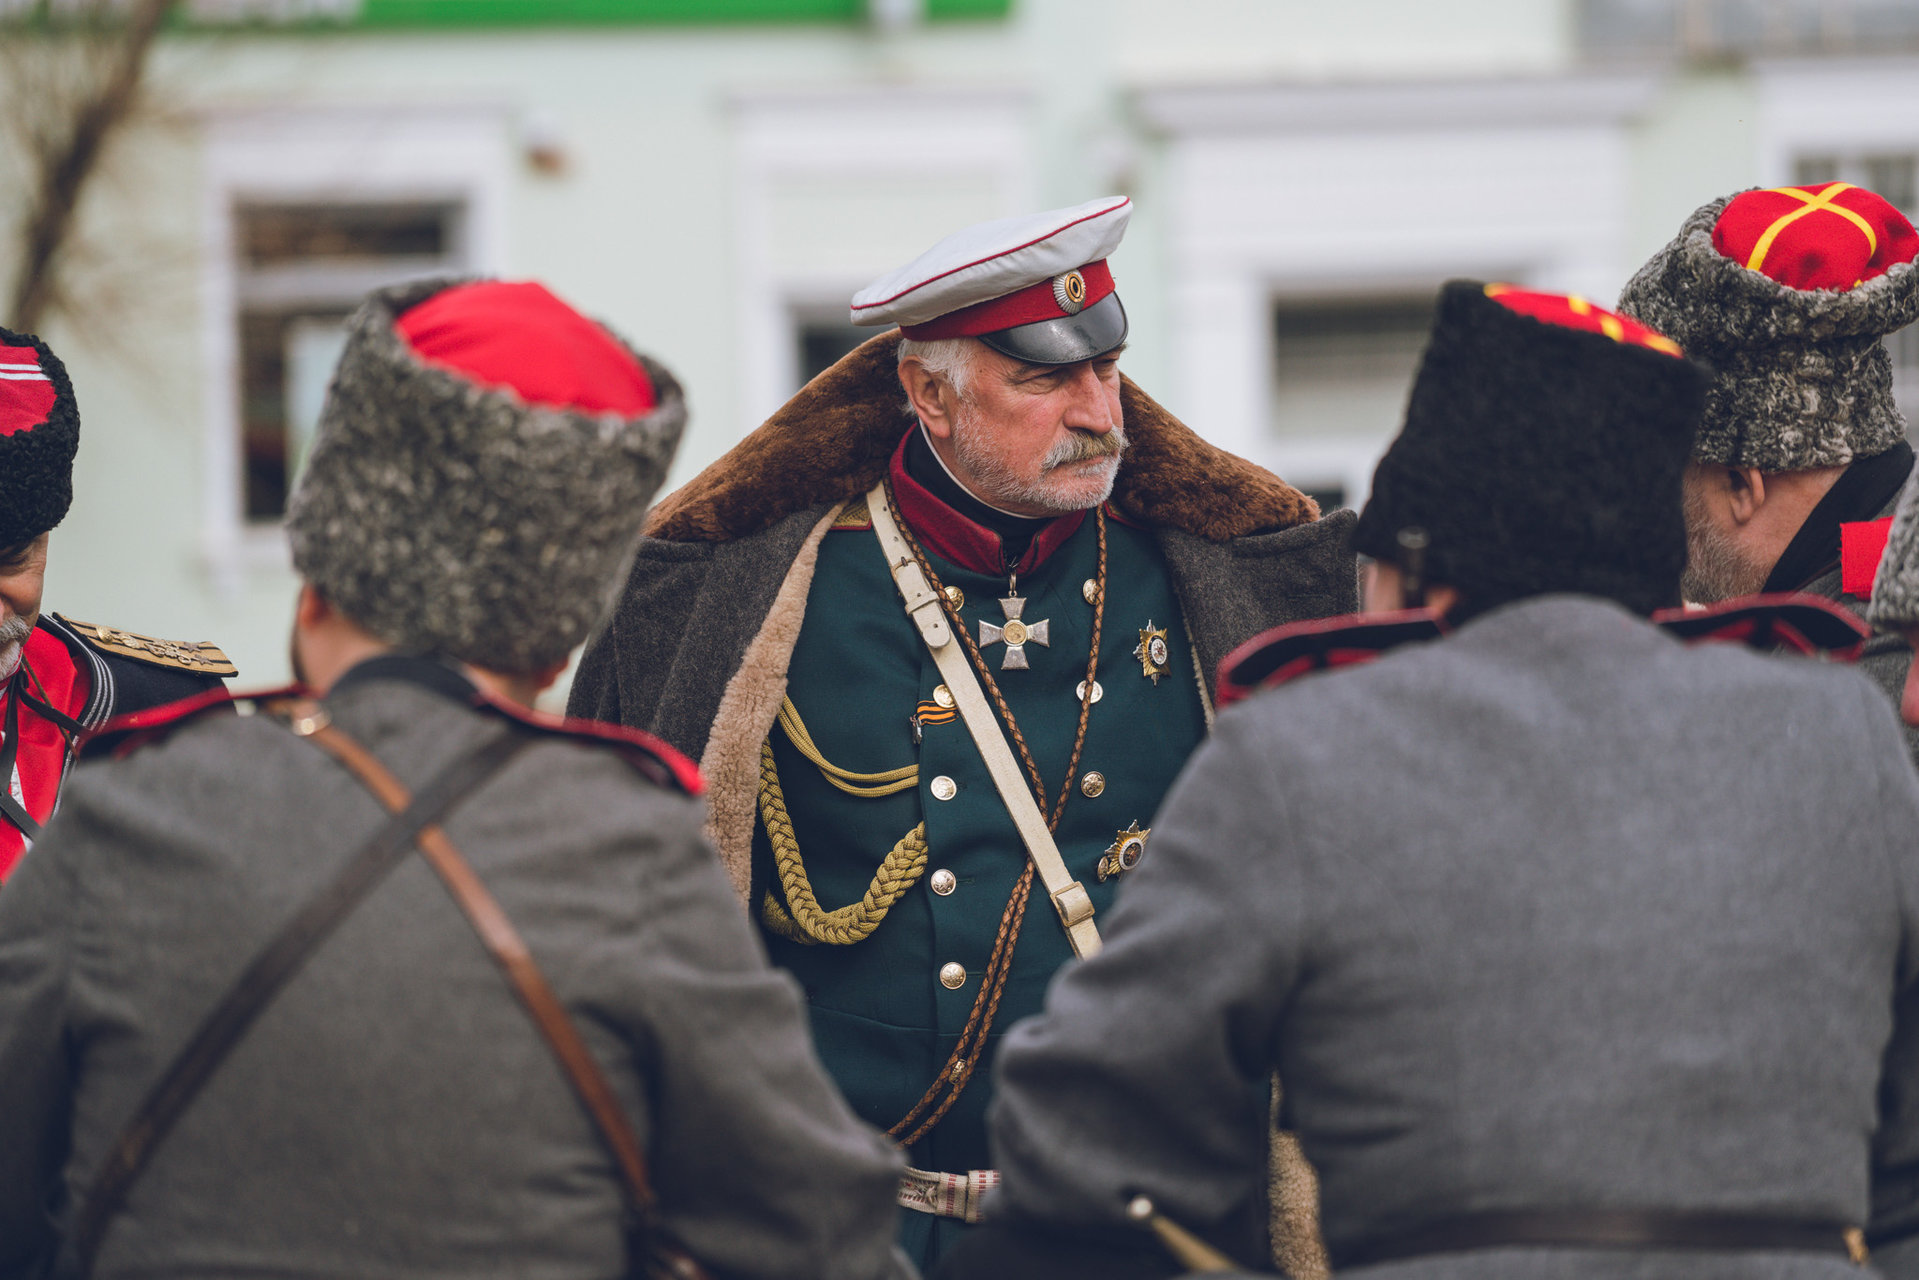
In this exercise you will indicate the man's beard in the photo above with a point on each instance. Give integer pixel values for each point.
(1716, 568)
(1079, 490)
(13, 638)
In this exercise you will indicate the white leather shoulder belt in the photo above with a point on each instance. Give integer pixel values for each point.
(929, 618)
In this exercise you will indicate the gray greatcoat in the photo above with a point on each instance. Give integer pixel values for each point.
(393, 1113)
(1614, 923)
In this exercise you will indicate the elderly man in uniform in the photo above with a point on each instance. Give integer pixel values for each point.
(1075, 562)
(1562, 994)
(1801, 453)
(238, 1037)
(58, 677)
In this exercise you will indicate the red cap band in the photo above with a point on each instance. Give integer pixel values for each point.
(519, 336)
(1862, 544)
(1832, 236)
(1571, 311)
(26, 392)
(1030, 305)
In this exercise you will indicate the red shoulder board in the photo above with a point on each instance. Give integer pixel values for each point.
(126, 734)
(1805, 624)
(651, 758)
(1862, 545)
(1285, 653)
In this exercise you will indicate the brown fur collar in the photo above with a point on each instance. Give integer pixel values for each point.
(833, 440)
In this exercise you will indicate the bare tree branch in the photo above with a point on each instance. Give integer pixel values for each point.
(65, 153)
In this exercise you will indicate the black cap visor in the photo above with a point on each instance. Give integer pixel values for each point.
(1067, 340)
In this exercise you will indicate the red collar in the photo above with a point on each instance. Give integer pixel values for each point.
(967, 543)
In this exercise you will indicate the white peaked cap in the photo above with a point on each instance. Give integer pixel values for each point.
(993, 259)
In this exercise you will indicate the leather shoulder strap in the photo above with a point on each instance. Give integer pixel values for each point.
(504, 943)
(264, 978)
(929, 619)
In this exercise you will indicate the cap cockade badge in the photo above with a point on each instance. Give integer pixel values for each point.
(1128, 847)
(1155, 659)
(1016, 634)
(1069, 291)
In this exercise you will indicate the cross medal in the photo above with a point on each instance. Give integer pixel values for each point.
(1015, 633)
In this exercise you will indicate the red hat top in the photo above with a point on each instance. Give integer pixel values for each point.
(1832, 236)
(27, 393)
(517, 335)
(1571, 311)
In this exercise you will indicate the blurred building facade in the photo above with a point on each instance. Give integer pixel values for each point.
(716, 177)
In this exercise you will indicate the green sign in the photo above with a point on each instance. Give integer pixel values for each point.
(360, 15)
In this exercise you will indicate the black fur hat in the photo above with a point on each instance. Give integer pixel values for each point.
(1542, 452)
(37, 438)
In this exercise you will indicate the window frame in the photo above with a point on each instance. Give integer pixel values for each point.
(458, 155)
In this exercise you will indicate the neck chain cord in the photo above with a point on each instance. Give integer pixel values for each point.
(958, 1071)
(15, 690)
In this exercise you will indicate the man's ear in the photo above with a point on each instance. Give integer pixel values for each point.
(1745, 493)
(930, 397)
(311, 609)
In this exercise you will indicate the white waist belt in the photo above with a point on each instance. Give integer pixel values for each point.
(946, 1195)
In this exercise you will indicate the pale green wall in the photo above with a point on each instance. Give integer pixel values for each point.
(639, 229)
(1699, 141)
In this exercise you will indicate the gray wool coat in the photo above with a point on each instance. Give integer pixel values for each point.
(393, 1113)
(1616, 923)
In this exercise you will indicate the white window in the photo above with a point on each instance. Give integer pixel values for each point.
(1341, 367)
(1299, 288)
(1850, 120)
(836, 187)
(306, 211)
(302, 269)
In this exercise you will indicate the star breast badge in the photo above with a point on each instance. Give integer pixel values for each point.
(1155, 659)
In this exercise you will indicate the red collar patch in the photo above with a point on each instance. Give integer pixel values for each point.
(123, 735)
(1802, 623)
(1862, 545)
(1285, 653)
(966, 543)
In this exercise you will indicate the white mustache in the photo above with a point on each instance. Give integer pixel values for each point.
(1081, 446)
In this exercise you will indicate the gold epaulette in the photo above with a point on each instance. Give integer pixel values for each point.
(204, 657)
(853, 515)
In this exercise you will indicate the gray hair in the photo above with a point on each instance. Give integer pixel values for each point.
(948, 358)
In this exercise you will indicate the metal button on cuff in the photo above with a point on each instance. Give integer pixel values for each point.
(943, 882)
(944, 788)
(952, 975)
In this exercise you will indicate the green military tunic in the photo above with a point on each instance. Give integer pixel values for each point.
(884, 1021)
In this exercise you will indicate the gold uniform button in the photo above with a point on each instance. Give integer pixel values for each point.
(1092, 784)
(952, 975)
(944, 882)
(1089, 589)
(943, 696)
(954, 596)
(1079, 694)
(944, 788)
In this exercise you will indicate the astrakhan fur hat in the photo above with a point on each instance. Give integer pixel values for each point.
(477, 485)
(1803, 379)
